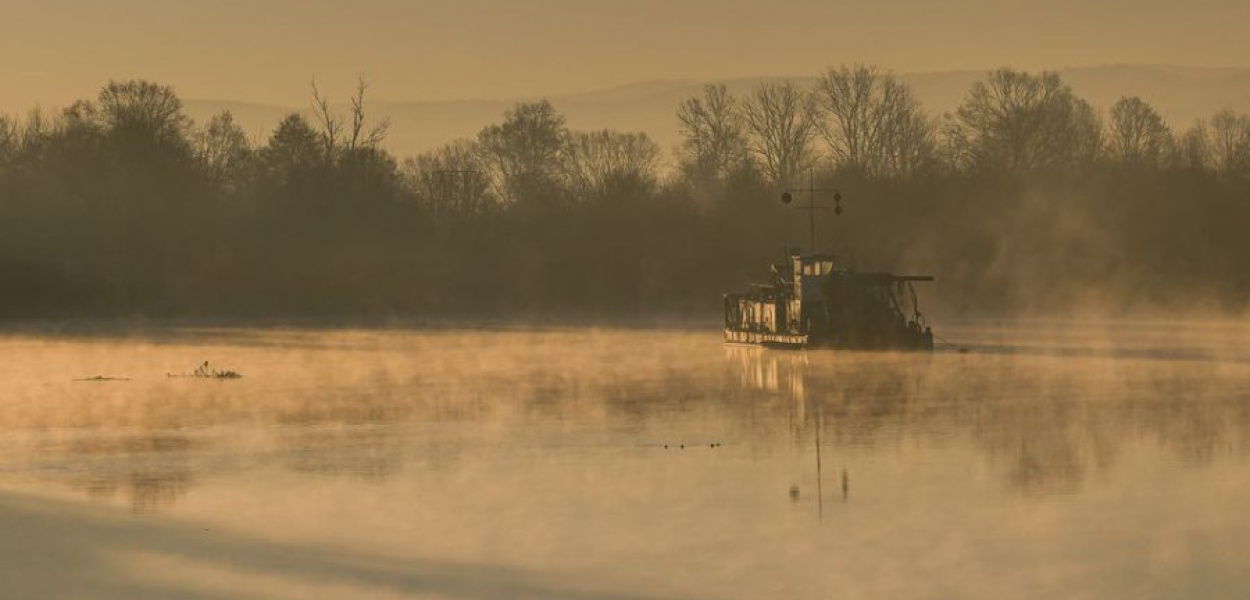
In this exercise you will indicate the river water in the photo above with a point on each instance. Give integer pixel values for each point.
(1049, 460)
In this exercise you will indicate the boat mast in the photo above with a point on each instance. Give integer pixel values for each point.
(811, 207)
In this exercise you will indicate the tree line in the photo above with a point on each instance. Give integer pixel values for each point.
(1024, 198)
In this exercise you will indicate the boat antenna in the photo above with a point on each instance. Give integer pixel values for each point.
(788, 196)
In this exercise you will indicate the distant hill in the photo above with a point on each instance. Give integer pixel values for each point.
(1181, 94)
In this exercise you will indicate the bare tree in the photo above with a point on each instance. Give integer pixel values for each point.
(1018, 122)
(223, 150)
(451, 180)
(143, 112)
(780, 120)
(294, 149)
(523, 152)
(360, 138)
(10, 137)
(353, 148)
(36, 129)
(1230, 143)
(1138, 134)
(1192, 149)
(714, 145)
(872, 122)
(595, 162)
(331, 123)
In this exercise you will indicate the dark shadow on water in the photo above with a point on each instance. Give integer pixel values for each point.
(56, 549)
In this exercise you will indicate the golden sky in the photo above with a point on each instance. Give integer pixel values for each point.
(266, 51)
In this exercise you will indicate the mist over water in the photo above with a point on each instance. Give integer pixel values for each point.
(1050, 459)
(394, 299)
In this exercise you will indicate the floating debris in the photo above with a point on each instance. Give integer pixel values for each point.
(103, 378)
(682, 446)
(204, 372)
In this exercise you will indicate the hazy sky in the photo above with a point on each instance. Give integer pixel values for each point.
(266, 51)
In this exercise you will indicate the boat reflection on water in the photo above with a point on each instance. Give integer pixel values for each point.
(1045, 424)
(1039, 423)
(570, 453)
(771, 371)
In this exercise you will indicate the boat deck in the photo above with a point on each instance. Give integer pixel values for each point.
(759, 337)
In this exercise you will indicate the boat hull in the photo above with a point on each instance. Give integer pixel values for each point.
(921, 341)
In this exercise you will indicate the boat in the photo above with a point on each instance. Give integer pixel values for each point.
(822, 300)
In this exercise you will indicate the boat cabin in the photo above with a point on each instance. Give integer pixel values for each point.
(821, 300)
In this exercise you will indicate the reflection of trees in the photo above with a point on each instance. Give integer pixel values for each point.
(1047, 445)
(367, 455)
(151, 469)
(1047, 424)
(149, 490)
